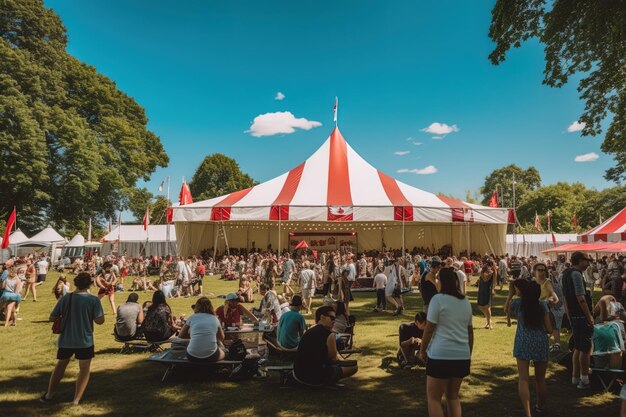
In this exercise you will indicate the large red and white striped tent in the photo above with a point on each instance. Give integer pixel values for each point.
(612, 230)
(336, 189)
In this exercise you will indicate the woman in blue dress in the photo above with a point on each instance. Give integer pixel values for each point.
(532, 342)
(11, 297)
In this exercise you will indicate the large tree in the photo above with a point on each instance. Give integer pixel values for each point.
(72, 145)
(585, 39)
(141, 198)
(218, 175)
(502, 179)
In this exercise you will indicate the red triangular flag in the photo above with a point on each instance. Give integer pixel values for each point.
(554, 240)
(537, 223)
(7, 231)
(184, 197)
(575, 222)
(146, 219)
(549, 228)
(511, 219)
(170, 214)
(493, 201)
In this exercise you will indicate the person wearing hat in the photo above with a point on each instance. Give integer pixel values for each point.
(578, 307)
(291, 325)
(429, 284)
(230, 313)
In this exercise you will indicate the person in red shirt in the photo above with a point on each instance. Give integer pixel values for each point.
(230, 313)
(467, 267)
(200, 271)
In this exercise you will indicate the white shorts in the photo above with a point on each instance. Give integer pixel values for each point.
(307, 292)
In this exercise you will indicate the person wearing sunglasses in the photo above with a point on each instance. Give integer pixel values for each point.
(317, 360)
(549, 295)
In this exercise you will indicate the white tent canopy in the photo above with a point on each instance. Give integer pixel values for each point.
(337, 190)
(77, 241)
(136, 241)
(534, 244)
(47, 237)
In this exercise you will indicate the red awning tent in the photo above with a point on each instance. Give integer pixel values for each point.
(302, 245)
(614, 247)
(335, 189)
(612, 230)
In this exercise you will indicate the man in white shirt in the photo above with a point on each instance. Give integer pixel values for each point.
(380, 282)
(307, 285)
(42, 266)
(351, 269)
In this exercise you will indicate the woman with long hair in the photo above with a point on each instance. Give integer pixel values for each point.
(31, 279)
(447, 345)
(61, 287)
(159, 323)
(486, 286)
(11, 295)
(205, 333)
(531, 342)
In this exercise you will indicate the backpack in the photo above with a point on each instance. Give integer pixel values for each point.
(237, 351)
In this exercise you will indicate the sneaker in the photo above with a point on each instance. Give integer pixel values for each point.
(575, 381)
(375, 310)
(583, 385)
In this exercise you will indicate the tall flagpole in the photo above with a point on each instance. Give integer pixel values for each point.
(335, 110)
(167, 223)
(514, 220)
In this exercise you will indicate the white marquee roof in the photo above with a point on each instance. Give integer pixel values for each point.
(47, 236)
(612, 230)
(135, 233)
(337, 184)
(76, 241)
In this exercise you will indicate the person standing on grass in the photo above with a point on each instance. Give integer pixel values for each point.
(42, 269)
(106, 283)
(429, 285)
(532, 342)
(578, 309)
(307, 285)
(486, 289)
(31, 280)
(80, 310)
(447, 345)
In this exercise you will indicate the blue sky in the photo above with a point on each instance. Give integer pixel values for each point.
(204, 70)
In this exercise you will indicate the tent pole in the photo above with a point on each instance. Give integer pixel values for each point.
(488, 241)
(215, 241)
(403, 244)
(468, 239)
(278, 231)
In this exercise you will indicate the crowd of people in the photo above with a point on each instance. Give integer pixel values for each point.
(541, 297)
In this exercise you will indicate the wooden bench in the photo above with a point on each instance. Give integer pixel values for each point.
(172, 359)
(607, 377)
(141, 344)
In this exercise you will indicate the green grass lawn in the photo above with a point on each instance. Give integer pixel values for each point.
(129, 385)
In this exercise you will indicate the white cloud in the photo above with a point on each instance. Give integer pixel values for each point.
(576, 127)
(440, 129)
(430, 169)
(409, 138)
(269, 124)
(438, 137)
(279, 96)
(417, 143)
(588, 157)
(401, 153)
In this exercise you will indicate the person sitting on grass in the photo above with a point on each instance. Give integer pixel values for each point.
(317, 360)
(230, 313)
(159, 323)
(76, 339)
(291, 325)
(129, 319)
(245, 290)
(205, 333)
(411, 340)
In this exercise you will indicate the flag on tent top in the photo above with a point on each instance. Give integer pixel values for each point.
(185, 195)
(549, 227)
(553, 240)
(575, 222)
(7, 231)
(169, 215)
(161, 186)
(335, 110)
(146, 219)
(537, 222)
(493, 201)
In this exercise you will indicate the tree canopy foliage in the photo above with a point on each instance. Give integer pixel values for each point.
(72, 145)
(586, 39)
(141, 198)
(563, 200)
(502, 178)
(218, 175)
